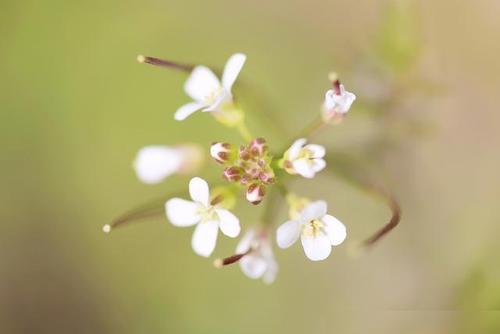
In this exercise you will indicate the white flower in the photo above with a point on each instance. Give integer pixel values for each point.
(337, 101)
(305, 160)
(208, 93)
(154, 163)
(317, 230)
(208, 218)
(259, 262)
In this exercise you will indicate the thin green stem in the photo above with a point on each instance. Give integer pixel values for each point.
(244, 132)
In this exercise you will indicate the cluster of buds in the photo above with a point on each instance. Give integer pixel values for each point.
(250, 166)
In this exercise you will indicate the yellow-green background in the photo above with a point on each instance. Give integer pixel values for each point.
(75, 107)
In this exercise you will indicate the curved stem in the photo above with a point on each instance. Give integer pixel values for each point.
(363, 183)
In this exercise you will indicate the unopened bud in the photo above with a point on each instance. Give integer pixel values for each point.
(258, 146)
(221, 152)
(255, 193)
(232, 173)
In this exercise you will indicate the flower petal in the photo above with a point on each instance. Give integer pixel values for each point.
(181, 212)
(228, 223)
(288, 233)
(223, 97)
(271, 272)
(186, 110)
(317, 248)
(330, 102)
(198, 189)
(314, 210)
(232, 69)
(245, 242)
(318, 165)
(253, 266)
(154, 163)
(304, 168)
(294, 150)
(205, 238)
(317, 151)
(335, 230)
(201, 83)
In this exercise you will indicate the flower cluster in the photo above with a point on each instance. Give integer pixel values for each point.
(248, 167)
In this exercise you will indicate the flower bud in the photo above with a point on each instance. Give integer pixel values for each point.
(258, 146)
(255, 193)
(221, 152)
(233, 173)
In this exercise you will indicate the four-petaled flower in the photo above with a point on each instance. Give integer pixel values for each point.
(210, 94)
(154, 163)
(208, 216)
(258, 261)
(318, 231)
(338, 101)
(302, 159)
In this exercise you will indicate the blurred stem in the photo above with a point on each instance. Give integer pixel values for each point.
(307, 132)
(271, 207)
(244, 132)
(347, 172)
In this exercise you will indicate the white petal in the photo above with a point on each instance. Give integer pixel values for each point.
(198, 189)
(223, 97)
(303, 167)
(245, 242)
(181, 212)
(318, 165)
(154, 163)
(201, 83)
(314, 210)
(205, 238)
(288, 233)
(317, 151)
(232, 69)
(186, 110)
(330, 102)
(316, 248)
(335, 230)
(294, 150)
(229, 223)
(253, 266)
(271, 272)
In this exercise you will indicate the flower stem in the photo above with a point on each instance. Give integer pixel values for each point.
(244, 132)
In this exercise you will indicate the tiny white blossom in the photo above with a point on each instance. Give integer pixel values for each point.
(154, 163)
(208, 93)
(208, 218)
(259, 262)
(338, 101)
(317, 230)
(305, 160)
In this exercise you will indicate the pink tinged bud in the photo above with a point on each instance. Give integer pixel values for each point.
(221, 152)
(258, 146)
(233, 173)
(266, 177)
(255, 193)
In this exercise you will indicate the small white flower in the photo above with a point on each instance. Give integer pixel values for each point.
(208, 93)
(259, 262)
(337, 101)
(305, 160)
(154, 163)
(318, 231)
(208, 218)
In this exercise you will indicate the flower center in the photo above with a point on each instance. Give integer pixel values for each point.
(313, 228)
(207, 213)
(213, 96)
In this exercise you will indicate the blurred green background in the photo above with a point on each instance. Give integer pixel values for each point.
(76, 107)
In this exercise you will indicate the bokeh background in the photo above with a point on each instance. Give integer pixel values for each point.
(75, 107)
